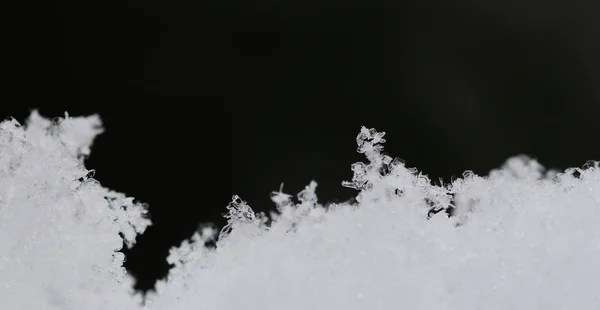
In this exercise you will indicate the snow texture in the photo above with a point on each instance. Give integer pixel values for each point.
(520, 238)
(59, 229)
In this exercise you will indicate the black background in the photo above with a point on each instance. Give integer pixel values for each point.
(205, 100)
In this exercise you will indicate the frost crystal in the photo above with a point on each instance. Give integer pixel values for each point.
(59, 229)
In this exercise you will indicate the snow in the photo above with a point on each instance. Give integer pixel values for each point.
(59, 229)
(520, 238)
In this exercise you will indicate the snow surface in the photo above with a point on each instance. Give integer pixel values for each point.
(520, 238)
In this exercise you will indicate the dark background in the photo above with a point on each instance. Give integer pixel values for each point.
(205, 100)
